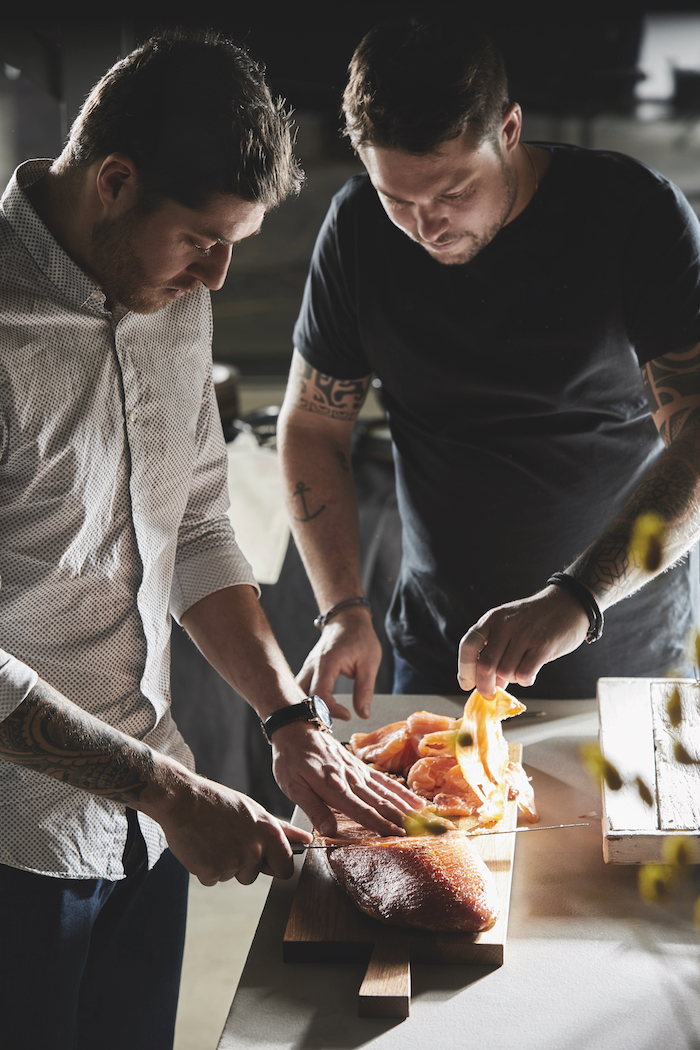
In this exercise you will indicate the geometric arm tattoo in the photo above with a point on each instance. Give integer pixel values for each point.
(671, 489)
(54, 736)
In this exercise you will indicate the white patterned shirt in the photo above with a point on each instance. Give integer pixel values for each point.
(113, 499)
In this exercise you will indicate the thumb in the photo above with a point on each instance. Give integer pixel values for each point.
(322, 683)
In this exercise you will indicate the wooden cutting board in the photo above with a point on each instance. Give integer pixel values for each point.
(638, 738)
(325, 926)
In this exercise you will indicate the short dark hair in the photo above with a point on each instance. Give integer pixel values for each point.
(194, 113)
(415, 82)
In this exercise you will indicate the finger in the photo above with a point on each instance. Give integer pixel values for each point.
(488, 666)
(507, 669)
(293, 833)
(387, 804)
(247, 876)
(321, 816)
(337, 710)
(322, 684)
(280, 866)
(363, 693)
(401, 791)
(470, 648)
(528, 669)
(209, 880)
(358, 798)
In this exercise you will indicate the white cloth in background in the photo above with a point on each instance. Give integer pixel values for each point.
(257, 510)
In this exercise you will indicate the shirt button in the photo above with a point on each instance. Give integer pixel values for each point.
(132, 416)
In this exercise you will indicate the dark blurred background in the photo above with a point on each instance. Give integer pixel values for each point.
(628, 82)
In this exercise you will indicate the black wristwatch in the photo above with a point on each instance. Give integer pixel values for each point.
(313, 709)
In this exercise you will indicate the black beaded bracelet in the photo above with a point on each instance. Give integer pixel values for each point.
(586, 599)
(323, 618)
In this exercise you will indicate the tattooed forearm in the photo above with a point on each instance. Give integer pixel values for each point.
(53, 736)
(314, 391)
(671, 490)
(343, 460)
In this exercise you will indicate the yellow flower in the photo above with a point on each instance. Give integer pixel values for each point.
(676, 851)
(681, 755)
(647, 541)
(427, 822)
(599, 768)
(644, 792)
(656, 881)
(674, 708)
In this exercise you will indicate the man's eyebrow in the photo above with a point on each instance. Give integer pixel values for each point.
(225, 240)
(458, 182)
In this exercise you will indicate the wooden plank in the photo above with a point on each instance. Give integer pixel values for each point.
(646, 847)
(678, 783)
(386, 989)
(627, 741)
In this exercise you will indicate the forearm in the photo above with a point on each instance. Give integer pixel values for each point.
(322, 509)
(231, 630)
(50, 734)
(671, 490)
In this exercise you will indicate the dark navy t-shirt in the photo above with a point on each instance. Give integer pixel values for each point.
(512, 385)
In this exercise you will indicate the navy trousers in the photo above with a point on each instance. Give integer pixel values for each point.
(88, 964)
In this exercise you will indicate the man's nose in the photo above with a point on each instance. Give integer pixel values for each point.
(212, 269)
(431, 222)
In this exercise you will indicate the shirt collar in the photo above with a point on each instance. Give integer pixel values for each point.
(47, 253)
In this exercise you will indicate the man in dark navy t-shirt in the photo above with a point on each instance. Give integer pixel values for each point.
(533, 313)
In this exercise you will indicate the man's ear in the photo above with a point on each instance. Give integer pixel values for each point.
(117, 184)
(511, 126)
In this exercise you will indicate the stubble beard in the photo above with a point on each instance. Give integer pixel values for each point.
(473, 242)
(119, 270)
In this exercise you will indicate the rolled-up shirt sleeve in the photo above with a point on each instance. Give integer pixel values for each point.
(16, 682)
(208, 557)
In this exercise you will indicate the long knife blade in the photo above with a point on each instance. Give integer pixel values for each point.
(301, 847)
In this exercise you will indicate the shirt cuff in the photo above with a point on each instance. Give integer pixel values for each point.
(205, 572)
(16, 682)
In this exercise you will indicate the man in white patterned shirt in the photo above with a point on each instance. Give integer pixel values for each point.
(112, 518)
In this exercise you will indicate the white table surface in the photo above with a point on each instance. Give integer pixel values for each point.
(588, 964)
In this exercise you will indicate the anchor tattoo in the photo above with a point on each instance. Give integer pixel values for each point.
(301, 489)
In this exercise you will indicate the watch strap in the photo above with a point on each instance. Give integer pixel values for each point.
(304, 711)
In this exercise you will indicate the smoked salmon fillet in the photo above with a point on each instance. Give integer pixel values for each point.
(437, 883)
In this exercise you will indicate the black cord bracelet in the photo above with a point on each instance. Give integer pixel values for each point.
(585, 599)
(323, 618)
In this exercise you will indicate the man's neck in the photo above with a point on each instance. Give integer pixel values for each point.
(58, 200)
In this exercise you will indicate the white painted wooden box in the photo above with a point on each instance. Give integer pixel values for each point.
(638, 738)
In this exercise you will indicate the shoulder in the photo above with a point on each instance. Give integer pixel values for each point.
(609, 176)
(354, 201)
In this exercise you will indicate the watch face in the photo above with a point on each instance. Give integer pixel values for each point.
(322, 711)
